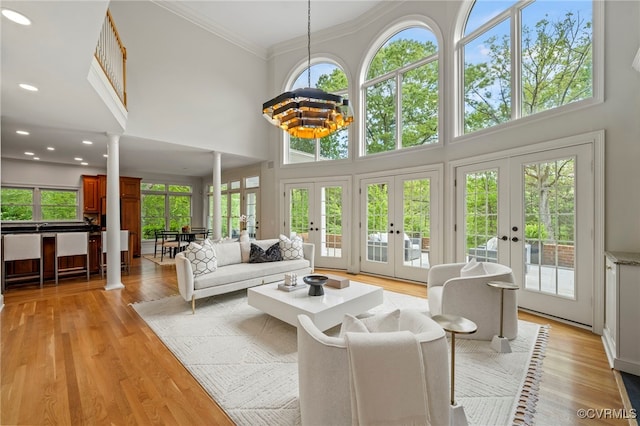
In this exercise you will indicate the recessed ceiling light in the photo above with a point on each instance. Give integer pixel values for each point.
(36, 158)
(50, 148)
(77, 158)
(87, 142)
(28, 87)
(16, 17)
(84, 163)
(29, 153)
(22, 132)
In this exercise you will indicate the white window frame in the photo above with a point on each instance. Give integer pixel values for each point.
(513, 12)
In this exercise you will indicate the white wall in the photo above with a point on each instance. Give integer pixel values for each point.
(188, 86)
(618, 115)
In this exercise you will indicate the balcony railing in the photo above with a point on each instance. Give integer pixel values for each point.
(112, 57)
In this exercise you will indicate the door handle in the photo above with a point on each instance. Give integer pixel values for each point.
(515, 239)
(504, 238)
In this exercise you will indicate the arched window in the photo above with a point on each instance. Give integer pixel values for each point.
(401, 93)
(524, 57)
(332, 79)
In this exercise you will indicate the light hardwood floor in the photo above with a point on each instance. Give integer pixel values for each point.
(76, 354)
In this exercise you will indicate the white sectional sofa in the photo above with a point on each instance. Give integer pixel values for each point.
(234, 272)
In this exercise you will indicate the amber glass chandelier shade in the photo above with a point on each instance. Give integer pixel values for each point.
(308, 113)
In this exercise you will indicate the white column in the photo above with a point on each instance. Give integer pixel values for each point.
(114, 277)
(217, 197)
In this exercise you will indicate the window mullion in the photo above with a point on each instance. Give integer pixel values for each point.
(516, 63)
(398, 111)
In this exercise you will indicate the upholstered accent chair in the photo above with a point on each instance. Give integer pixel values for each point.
(324, 371)
(461, 289)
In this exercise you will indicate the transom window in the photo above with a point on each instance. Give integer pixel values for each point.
(524, 57)
(39, 204)
(332, 79)
(401, 93)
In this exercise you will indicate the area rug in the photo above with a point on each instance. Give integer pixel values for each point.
(166, 260)
(247, 360)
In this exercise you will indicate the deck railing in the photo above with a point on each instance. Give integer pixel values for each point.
(112, 57)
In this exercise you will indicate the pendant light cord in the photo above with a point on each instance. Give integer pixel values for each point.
(309, 44)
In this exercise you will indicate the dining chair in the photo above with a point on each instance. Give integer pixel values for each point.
(21, 247)
(158, 242)
(172, 241)
(72, 244)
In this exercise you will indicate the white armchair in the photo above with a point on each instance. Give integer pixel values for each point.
(469, 296)
(323, 371)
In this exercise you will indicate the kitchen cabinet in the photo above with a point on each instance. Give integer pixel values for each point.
(129, 208)
(94, 253)
(90, 186)
(621, 334)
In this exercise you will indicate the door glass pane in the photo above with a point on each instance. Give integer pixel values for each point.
(331, 225)
(235, 214)
(299, 213)
(416, 222)
(252, 204)
(549, 209)
(481, 216)
(377, 218)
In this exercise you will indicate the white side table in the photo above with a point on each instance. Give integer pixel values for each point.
(455, 324)
(500, 343)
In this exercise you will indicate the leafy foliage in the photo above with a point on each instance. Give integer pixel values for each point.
(556, 70)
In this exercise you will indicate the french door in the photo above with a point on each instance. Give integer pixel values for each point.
(399, 219)
(318, 212)
(535, 213)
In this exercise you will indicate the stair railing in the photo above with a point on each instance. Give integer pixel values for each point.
(112, 57)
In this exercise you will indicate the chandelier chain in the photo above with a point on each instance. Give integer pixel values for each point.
(309, 43)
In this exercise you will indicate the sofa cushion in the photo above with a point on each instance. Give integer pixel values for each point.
(259, 255)
(291, 249)
(202, 257)
(388, 321)
(247, 271)
(351, 324)
(473, 269)
(227, 253)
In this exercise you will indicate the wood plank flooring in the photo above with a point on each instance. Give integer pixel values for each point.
(76, 354)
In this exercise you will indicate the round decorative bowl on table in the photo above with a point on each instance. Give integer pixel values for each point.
(316, 283)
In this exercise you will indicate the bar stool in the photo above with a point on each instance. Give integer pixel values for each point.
(72, 244)
(124, 247)
(21, 247)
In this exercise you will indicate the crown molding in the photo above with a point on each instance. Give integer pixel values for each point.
(184, 11)
(337, 31)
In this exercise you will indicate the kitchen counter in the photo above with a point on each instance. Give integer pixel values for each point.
(49, 230)
(624, 257)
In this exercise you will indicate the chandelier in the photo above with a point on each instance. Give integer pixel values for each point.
(308, 113)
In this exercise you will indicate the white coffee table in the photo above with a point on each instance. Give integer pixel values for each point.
(325, 311)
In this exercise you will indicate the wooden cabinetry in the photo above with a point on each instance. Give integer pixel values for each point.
(90, 186)
(94, 253)
(129, 207)
(621, 334)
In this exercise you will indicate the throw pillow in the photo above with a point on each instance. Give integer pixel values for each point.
(351, 324)
(291, 249)
(378, 323)
(258, 255)
(202, 257)
(473, 269)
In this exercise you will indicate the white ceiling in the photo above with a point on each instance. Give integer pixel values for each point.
(54, 53)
